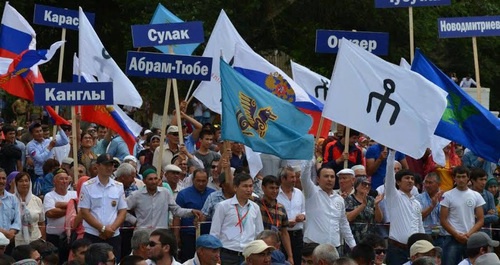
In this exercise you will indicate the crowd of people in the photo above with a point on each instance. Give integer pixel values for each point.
(360, 204)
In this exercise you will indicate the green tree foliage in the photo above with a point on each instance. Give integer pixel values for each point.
(286, 25)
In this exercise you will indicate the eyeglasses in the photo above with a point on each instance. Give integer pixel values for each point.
(153, 244)
(380, 251)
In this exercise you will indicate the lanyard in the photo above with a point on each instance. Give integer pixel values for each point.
(241, 219)
(269, 214)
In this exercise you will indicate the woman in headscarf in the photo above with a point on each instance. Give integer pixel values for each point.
(73, 222)
(10, 181)
(31, 209)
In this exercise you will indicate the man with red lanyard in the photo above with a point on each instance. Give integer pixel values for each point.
(237, 221)
(274, 214)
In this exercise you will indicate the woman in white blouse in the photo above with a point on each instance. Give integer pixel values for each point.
(31, 209)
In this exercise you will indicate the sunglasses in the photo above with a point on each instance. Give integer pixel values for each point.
(153, 244)
(380, 251)
(174, 134)
(213, 167)
(496, 174)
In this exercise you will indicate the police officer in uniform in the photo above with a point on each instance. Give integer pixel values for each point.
(103, 206)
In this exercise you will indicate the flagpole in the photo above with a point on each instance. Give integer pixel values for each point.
(164, 125)
(412, 44)
(59, 72)
(189, 90)
(346, 144)
(74, 144)
(176, 102)
(476, 70)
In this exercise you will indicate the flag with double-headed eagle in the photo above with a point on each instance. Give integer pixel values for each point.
(19, 58)
(274, 80)
(262, 122)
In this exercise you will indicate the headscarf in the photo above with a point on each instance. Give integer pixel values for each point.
(26, 220)
(10, 178)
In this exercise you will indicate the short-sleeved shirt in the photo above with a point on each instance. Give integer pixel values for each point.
(104, 202)
(273, 215)
(373, 152)
(364, 222)
(461, 205)
(55, 226)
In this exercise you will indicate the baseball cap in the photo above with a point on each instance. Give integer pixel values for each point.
(105, 159)
(147, 131)
(256, 247)
(67, 160)
(487, 259)
(208, 241)
(421, 247)
(173, 168)
(129, 158)
(3, 240)
(481, 239)
(172, 129)
(346, 171)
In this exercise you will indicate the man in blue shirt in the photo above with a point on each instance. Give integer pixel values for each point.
(429, 200)
(193, 197)
(376, 163)
(10, 220)
(41, 149)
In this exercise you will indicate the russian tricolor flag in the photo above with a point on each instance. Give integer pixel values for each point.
(109, 116)
(263, 73)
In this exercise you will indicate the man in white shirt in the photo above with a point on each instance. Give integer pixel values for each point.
(237, 221)
(293, 201)
(54, 204)
(103, 206)
(467, 82)
(404, 209)
(325, 210)
(461, 216)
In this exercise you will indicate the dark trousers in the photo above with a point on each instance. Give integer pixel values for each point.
(62, 251)
(230, 257)
(115, 242)
(126, 234)
(297, 242)
(188, 247)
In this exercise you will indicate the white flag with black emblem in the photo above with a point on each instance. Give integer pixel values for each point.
(394, 106)
(95, 61)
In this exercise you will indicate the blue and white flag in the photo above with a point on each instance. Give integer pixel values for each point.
(262, 122)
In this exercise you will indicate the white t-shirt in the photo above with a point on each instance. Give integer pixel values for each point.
(461, 205)
(55, 226)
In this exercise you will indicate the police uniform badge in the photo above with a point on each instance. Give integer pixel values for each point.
(113, 203)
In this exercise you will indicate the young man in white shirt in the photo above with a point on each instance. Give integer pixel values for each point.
(325, 211)
(404, 209)
(461, 216)
(237, 221)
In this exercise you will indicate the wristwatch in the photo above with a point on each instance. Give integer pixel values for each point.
(103, 229)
